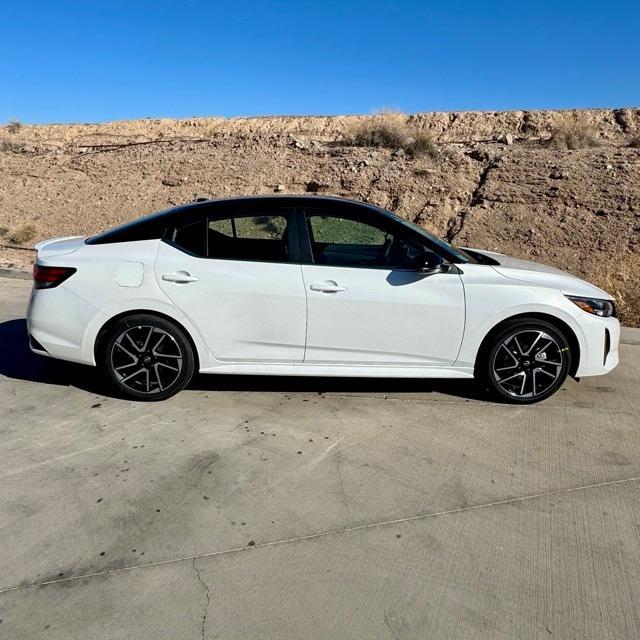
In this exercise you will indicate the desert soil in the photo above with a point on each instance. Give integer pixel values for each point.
(495, 182)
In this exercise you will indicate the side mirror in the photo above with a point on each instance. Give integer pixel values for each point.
(429, 262)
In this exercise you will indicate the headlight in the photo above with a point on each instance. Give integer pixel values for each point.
(602, 308)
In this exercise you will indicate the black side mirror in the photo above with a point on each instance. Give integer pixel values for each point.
(429, 262)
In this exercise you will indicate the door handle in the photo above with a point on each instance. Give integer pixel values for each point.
(327, 287)
(179, 277)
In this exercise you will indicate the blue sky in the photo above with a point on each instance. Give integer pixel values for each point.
(91, 61)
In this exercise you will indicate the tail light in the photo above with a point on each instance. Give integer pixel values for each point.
(50, 277)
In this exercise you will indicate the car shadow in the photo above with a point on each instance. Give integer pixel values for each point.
(18, 362)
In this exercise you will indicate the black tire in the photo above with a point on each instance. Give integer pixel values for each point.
(145, 357)
(525, 362)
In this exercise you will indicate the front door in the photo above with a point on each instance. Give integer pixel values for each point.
(230, 274)
(365, 307)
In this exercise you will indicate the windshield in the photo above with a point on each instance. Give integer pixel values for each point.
(461, 254)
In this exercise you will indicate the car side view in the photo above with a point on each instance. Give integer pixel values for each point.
(313, 286)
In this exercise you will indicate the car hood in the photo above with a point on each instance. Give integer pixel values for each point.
(542, 275)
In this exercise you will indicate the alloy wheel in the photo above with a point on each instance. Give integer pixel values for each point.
(527, 363)
(146, 359)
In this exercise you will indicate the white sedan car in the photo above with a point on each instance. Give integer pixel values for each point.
(312, 286)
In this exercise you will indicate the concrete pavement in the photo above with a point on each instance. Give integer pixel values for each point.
(290, 508)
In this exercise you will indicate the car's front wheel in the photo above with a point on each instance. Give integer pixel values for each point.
(146, 357)
(527, 361)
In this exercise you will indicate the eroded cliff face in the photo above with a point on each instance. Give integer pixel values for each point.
(495, 184)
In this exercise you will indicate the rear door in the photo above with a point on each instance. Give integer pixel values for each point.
(235, 274)
(365, 306)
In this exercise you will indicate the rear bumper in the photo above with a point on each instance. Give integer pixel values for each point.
(599, 348)
(57, 322)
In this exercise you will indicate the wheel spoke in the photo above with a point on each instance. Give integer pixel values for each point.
(541, 349)
(515, 339)
(162, 337)
(155, 370)
(119, 345)
(515, 375)
(133, 375)
(132, 341)
(167, 355)
(504, 346)
(146, 342)
(534, 343)
(547, 373)
(524, 381)
(126, 366)
(166, 366)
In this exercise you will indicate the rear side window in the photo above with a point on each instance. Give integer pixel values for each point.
(191, 238)
(243, 236)
(262, 238)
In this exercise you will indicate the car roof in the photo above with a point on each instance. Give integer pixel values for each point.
(153, 225)
(289, 199)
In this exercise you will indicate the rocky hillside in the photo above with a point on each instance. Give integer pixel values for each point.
(557, 187)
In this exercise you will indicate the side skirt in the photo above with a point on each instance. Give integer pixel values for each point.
(262, 369)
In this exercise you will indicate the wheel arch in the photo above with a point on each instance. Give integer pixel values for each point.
(559, 324)
(104, 329)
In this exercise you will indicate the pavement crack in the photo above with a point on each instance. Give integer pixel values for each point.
(343, 493)
(323, 534)
(208, 604)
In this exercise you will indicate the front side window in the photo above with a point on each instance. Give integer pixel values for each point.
(261, 238)
(349, 242)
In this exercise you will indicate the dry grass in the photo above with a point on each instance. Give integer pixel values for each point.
(13, 126)
(573, 136)
(380, 132)
(390, 131)
(422, 145)
(22, 234)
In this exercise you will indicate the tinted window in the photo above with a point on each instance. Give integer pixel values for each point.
(262, 238)
(191, 237)
(348, 241)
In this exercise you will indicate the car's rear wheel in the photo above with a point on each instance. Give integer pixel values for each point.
(147, 357)
(526, 362)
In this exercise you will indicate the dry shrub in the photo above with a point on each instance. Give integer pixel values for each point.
(10, 146)
(634, 143)
(390, 131)
(380, 131)
(422, 145)
(23, 234)
(13, 126)
(573, 136)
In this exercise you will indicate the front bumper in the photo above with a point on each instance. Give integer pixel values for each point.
(599, 345)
